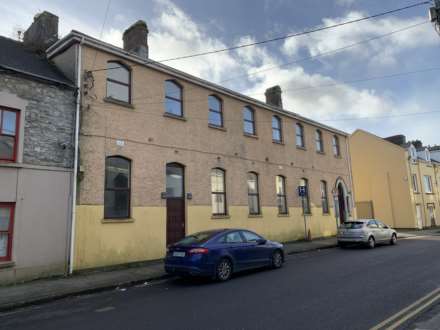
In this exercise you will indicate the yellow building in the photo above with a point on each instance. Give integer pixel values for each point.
(393, 181)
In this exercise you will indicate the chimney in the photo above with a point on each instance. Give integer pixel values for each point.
(273, 96)
(400, 139)
(136, 39)
(42, 33)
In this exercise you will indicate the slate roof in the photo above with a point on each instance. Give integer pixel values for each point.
(14, 56)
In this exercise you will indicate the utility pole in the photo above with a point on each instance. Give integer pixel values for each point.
(434, 15)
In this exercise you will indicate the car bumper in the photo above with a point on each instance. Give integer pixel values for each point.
(352, 240)
(188, 270)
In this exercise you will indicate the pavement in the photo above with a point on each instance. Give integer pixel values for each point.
(45, 290)
(340, 289)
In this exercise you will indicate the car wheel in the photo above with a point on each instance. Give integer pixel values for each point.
(277, 259)
(371, 242)
(393, 239)
(223, 270)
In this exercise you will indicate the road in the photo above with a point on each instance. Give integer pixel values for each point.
(330, 289)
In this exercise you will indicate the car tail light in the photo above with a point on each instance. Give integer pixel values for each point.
(198, 251)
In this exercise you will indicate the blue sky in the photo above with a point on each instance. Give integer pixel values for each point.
(180, 27)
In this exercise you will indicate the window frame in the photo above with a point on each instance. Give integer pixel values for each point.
(257, 194)
(415, 185)
(300, 135)
(220, 193)
(429, 181)
(17, 133)
(10, 231)
(336, 146)
(319, 142)
(278, 129)
(252, 111)
(324, 197)
(307, 197)
(177, 84)
(128, 215)
(220, 111)
(282, 196)
(126, 67)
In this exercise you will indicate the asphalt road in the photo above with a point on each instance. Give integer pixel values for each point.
(330, 289)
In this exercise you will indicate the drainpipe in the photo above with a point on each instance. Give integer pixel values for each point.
(352, 199)
(75, 165)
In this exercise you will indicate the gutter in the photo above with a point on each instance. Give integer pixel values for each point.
(76, 158)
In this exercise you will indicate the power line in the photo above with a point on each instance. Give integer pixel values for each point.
(102, 28)
(323, 28)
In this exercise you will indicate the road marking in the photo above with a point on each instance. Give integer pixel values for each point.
(408, 312)
(104, 309)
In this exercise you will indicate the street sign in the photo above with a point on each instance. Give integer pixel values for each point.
(302, 191)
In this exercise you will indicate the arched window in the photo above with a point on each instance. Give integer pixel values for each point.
(324, 197)
(249, 121)
(306, 199)
(253, 193)
(280, 182)
(277, 135)
(335, 143)
(318, 141)
(118, 82)
(215, 111)
(218, 191)
(300, 136)
(173, 98)
(117, 187)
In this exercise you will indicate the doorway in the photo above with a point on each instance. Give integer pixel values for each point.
(175, 195)
(341, 202)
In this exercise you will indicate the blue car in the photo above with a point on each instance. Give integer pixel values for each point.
(222, 252)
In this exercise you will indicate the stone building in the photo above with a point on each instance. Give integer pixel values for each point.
(164, 154)
(37, 107)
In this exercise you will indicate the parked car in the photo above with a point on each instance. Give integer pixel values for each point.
(220, 253)
(366, 231)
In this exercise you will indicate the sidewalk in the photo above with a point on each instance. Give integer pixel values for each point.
(50, 289)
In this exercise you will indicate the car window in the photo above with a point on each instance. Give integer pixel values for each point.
(372, 224)
(197, 238)
(352, 225)
(233, 237)
(381, 224)
(250, 237)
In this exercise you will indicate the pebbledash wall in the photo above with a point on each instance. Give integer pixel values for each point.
(142, 133)
(38, 182)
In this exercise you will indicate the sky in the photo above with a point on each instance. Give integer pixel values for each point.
(344, 89)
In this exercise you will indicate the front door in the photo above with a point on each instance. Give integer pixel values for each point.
(341, 200)
(175, 194)
(419, 216)
(431, 211)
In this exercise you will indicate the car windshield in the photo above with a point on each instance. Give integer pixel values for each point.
(198, 238)
(353, 225)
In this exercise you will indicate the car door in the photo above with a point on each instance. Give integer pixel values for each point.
(259, 254)
(235, 246)
(374, 230)
(385, 231)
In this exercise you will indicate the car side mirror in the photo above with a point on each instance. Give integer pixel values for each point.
(261, 241)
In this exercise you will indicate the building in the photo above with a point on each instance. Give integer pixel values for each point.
(37, 107)
(393, 181)
(164, 154)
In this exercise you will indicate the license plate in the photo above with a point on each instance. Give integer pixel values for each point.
(178, 254)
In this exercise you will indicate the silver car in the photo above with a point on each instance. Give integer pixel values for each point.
(366, 231)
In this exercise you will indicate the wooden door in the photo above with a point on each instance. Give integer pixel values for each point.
(175, 181)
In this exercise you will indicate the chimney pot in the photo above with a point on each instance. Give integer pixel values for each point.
(42, 33)
(136, 39)
(273, 96)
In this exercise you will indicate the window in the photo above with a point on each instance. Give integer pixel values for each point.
(306, 199)
(218, 191)
(414, 183)
(250, 237)
(253, 193)
(173, 98)
(215, 111)
(233, 237)
(335, 143)
(280, 182)
(276, 129)
(6, 229)
(118, 82)
(324, 197)
(318, 141)
(117, 187)
(372, 224)
(300, 136)
(8, 134)
(428, 184)
(248, 121)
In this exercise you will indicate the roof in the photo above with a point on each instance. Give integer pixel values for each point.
(76, 37)
(17, 58)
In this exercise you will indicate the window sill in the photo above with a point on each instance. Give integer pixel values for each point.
(250, 136)
(301, 148)
(255, 215)
(326, 214)
(278, 142)
(121, 103)
(219, 217)
(122, 220)
(307, 214)
(7, 264)
(320, 153)
(170, 115)
(220, 128)
(283, 215)
(338, 157)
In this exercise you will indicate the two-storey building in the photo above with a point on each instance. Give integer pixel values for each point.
(164, 154)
